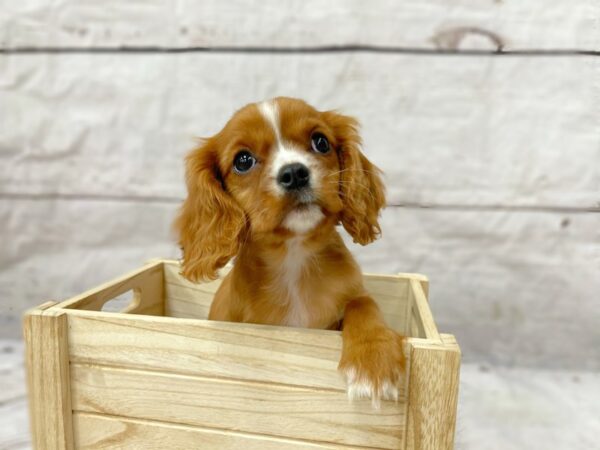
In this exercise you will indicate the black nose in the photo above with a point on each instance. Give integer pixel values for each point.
(293, 176)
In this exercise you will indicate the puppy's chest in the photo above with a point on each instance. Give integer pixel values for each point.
(304, 300)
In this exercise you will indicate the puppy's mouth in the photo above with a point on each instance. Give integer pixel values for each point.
(300, 207)
(303, 211)
(303, 198)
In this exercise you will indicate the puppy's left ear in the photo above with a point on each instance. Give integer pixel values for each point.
(361, 188)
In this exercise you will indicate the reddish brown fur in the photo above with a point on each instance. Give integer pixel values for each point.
(227, 214)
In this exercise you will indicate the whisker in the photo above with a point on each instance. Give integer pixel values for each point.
(350, 169)
(346, 183)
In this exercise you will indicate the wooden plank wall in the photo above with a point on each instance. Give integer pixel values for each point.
(492, 159)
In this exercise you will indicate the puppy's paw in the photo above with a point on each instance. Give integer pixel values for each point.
(374, 366)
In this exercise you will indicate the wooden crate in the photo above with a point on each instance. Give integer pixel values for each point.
(158, 375)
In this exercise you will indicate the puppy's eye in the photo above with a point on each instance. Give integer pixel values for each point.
(243, 161)
(319, 143)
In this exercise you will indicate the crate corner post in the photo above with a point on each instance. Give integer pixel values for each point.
(48, 377)
(433, 394)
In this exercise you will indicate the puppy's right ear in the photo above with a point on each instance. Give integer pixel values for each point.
(210, 223)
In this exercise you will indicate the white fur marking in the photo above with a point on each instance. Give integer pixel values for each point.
(304, 220)
(286, 152)
(270, 112)
(291, 270)
(363, 388)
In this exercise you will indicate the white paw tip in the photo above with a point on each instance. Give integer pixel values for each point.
(362, 388)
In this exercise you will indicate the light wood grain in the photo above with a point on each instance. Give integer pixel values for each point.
(236, 405)
(415, 329)
(48, 378)
(146, 284)
(423, 280)
(392, 296)
(543, 403)
(433, 394)
(461, 127)
(184, 298)
(420, 312)
(266, 381)
(193, 300)
(461, 24)
(93, 431)
(208, 348)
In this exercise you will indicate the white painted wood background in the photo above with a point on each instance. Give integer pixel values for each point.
(492, 160)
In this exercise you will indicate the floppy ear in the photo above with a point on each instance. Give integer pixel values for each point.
(210, 223)
(361, 188)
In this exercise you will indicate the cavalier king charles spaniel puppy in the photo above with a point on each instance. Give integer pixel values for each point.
(269, 190)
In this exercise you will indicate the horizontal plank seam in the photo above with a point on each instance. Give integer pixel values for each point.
(206, 428)
(573, 52)
(180, 374)
(407, 205)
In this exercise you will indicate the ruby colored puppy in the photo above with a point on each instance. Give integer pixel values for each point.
(269, 189)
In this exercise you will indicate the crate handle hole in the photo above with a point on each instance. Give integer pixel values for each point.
(123, 303)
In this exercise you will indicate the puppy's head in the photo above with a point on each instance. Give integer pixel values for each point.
(277, 166)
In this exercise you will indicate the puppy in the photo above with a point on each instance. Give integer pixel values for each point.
(269, 189)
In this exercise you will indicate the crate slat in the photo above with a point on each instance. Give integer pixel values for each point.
(146, 283)
(261, 408)
(186, 299)
(208, 348)
(100, 431)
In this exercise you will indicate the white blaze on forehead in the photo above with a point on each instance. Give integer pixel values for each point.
(270, 112)
(285, 152)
